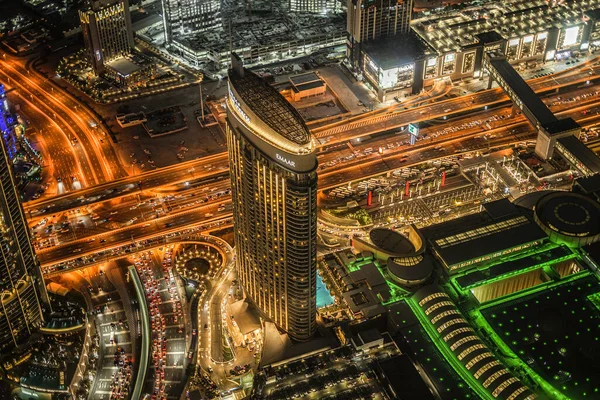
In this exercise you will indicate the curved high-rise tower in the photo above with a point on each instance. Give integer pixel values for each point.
(274, 187)
(21, 283)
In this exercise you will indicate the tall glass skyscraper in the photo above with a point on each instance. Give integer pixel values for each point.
(21, 283)
(274, 187)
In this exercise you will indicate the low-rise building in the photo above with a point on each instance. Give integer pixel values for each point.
(306, 85)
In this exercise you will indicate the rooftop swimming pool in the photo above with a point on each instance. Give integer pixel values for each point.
(324, 298)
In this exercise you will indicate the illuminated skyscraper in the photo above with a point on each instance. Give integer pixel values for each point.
(314, 6)
(274, 187)
(107, 31)
(21, 283)
(190, 16)
(374, 19)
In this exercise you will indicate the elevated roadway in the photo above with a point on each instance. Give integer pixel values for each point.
(553, 133)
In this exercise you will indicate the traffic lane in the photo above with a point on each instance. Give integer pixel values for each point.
(59, 159)
(62, 116)
(86, 230)
(124, 187)
(151, 182)
(70, 112)
(439, 109)
(138, 232)
(385, 163)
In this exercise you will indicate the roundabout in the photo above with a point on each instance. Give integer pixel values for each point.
(198, 261)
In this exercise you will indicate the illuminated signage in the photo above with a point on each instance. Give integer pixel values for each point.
(407, 67)
(238, 107)
(285, 160)
(98, 55)
(413, 131)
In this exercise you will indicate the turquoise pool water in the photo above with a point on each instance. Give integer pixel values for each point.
(323, 296)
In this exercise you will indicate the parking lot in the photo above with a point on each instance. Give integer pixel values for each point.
(168, 329)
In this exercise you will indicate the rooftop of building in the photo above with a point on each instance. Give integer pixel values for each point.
(498, 271)
(384, 52)
(123, 66)
(524, 92)
(569, 213)
(307, 86)
(404, 378)
(391, 241)
(266, 29)
(301, 79)
(369, 273)
(515, 18)
(583, 153)
(561, 125)
(588, 184)
(484, 233)
(269, 105)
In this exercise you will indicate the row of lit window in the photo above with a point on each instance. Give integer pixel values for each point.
(478, 358)
(431, 297)
(504, 385)
(471, 349)
(457, 332)
(493, 377)
(517, 392)
(481, 232)
(462, 341)
(448, 324)
(434, 307)
(444, 314)
(485, 368)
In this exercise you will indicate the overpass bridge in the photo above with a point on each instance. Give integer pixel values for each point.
(561, 135)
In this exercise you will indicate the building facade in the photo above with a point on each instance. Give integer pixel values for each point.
(190, 16)
(528, 32)
(107, 31)
(274, 194)
(314, 6)
(21, 284)
(375, 19)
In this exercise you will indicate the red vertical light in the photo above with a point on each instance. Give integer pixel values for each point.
(370, 198)
(407, 188)
(443, 178)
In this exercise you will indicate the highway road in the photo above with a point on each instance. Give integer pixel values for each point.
(218, 164)
(97, 158)
(377, 164)
(206, 167)
(473, 102)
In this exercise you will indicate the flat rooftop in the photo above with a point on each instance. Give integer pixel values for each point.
(477, 235)
(477, 278)
(304, 78)
(561, 125)
(308, 86)
(404, 379)
(270, 29)
(124, 66)
(370, 273)
(467, 27)
(583, 153)
(384, 52)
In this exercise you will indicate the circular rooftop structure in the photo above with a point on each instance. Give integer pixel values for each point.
(391, 241)
(569, 218)
(407, 263)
